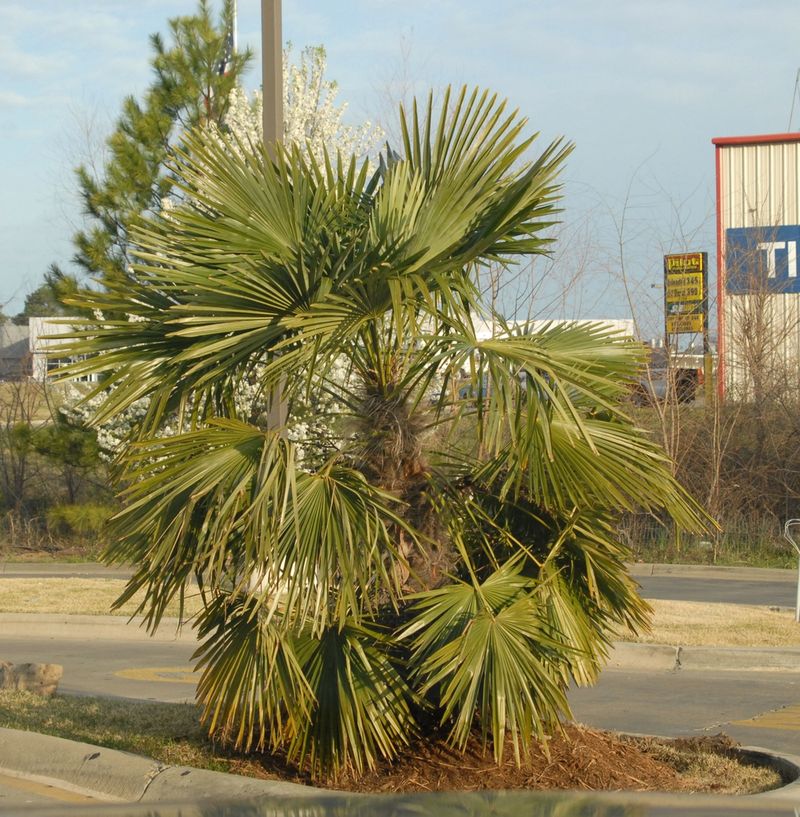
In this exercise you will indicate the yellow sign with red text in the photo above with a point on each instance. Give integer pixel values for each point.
(685, 293)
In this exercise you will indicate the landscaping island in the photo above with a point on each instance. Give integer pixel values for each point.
(582, 759)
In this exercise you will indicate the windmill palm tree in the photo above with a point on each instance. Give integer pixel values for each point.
(446, 558)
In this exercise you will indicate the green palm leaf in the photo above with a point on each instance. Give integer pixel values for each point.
(485, 650)
(228, 504)
(253, 689)
(362, 702)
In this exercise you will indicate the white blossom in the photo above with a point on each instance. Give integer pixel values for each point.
(310, 114)
(311, 118)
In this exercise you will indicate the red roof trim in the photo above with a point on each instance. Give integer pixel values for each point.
(766, 138)
(722, 350)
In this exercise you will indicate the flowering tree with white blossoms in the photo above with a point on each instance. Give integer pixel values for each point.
(311, 116)
(314, 120)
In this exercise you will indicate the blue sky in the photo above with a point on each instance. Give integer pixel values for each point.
(639, 87)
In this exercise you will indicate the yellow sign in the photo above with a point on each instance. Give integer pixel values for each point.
(685, 287)
(684, 323)
(685, 262)
(685, 293)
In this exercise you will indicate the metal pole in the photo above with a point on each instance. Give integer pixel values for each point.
(797, 599)
(272, 91)
(787, 535)
(272, 71)
(708, 361)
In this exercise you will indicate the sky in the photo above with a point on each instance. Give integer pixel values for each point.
(639, 86)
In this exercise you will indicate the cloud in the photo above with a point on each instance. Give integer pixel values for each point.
(13, 100)
(19, 64)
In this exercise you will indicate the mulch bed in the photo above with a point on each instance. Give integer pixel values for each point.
(581, 759)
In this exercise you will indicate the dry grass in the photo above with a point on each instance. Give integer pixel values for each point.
(92, 597)
(689, 624)
(707, 770)
(696, 624)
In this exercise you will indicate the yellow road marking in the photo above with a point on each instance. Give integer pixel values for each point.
(45, 790)
(787, 718)
(166, 675)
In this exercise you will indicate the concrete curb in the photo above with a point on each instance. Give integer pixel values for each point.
(122, 777)
(116, 776)
(184, 783)
(630, 656)
(738, 658)
(80, 767)
(788, 766)
(625, 655)
(755, 574)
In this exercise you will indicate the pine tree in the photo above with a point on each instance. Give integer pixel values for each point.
(48, 298)
(194, 75)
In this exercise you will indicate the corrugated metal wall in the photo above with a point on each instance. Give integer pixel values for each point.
(758, 187)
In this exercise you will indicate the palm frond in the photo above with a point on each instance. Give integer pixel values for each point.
(362, 702)
(253, 690)
(229, 504)
(486, 652)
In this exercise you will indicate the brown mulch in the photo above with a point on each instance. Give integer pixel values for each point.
(581, 759)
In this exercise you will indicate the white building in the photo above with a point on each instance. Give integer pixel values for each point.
(758, 287)
(43, 345)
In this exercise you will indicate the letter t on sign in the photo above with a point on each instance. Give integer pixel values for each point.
(770, 247)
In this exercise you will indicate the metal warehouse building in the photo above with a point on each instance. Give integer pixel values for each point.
(758, 288)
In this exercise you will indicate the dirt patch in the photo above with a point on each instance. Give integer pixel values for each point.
(581, 759)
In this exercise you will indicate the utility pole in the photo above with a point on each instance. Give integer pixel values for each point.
(272, 70)
(272, 85)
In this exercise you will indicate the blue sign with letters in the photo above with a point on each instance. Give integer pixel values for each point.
(761, 259)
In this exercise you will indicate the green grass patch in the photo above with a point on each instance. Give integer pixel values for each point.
(169, 733)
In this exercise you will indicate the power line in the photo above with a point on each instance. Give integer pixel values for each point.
(794, 99)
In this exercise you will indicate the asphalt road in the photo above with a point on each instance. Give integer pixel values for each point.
(756, 708)
(728, 591)
(756, 587)
(149, 670)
